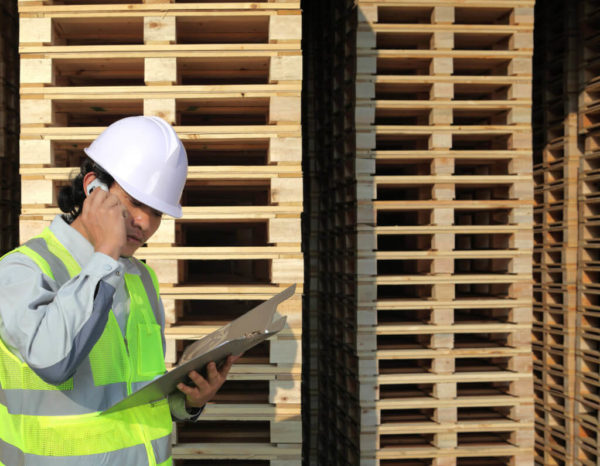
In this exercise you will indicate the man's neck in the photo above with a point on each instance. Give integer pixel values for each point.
(78, 225)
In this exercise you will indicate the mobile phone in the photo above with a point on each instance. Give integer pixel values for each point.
(96, 184)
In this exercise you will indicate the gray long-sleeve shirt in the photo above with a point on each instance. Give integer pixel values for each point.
(41, 323)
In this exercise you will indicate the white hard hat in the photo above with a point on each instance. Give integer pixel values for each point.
(146, 157)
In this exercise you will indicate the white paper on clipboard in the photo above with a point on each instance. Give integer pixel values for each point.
(234, 338)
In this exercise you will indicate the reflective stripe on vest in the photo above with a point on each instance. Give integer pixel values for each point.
(45, 424)
(124, 433)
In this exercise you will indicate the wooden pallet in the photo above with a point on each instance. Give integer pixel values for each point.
(556, 158)
(565, 268)
(443, 127)
(228, 76)
(330, 236)
(587, 391)
(9, 181)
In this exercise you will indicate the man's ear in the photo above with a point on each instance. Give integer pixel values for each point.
(90, 182)
(87, 179)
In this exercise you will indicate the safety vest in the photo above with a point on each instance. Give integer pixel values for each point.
(44, 424)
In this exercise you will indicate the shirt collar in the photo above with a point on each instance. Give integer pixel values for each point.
(79, 247)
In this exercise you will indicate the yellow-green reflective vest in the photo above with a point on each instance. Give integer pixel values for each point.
(44, 424)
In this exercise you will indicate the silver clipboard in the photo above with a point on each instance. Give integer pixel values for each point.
(234, 338)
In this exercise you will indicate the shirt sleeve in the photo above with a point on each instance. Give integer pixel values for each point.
(54, 328)
(177, 399)
(178, 409)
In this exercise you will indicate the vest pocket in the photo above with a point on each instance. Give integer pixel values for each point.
(150, 357)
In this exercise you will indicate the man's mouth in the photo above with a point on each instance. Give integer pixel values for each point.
(134, 239)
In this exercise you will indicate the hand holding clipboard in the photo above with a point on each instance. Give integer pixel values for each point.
(234, 338)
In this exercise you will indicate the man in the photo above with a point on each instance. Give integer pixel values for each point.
(81, 320)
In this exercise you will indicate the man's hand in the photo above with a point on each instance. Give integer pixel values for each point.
(103, 218)
(206, 388)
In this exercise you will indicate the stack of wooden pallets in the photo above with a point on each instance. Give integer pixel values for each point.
(313, 105)
(310, 241)
(332, 404)
(556, 163)
(9, 127)
(588, 333)
(444, 189)
(228, 77)
(567, 384)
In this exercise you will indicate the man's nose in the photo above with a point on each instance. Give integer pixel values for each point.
(139, 218)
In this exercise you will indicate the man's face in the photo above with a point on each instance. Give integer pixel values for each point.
(140, 223)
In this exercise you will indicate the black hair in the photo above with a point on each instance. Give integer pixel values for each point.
(71, 197)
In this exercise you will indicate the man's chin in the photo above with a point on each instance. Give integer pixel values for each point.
(126, 253)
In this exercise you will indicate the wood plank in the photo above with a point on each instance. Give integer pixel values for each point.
(480, 401)
(454, 3)
(460, 204)
(479, 327)
(153, 50)
(443, 154)
(223, 91)
(186, 133)
(483, 180)
(165, 8)
(254, 411)
(505, 425)
(414, 378)
(490, 303)
(216, 253)
(225, 292)
(472, 54)
(240, 451)
(453, 279)
(414, 130)
(453, 352)
(494, 105)
(455, 28)
(462, 79)
(224, 172)
(454, 229)
(456, 254)
(463, 452)
(197, 213)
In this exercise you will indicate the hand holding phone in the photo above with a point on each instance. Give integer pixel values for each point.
(103, 218)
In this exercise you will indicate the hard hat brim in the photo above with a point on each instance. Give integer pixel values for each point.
(151, 201)
(172, 210)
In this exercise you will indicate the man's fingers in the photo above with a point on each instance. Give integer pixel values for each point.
(206, 387)
(236, 357)
(185, 389)
(97, 196)
(200, 381)
(100, 198)
(211, 372)
(226, 367)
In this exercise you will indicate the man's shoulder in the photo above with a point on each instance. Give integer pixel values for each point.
(15, 265)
